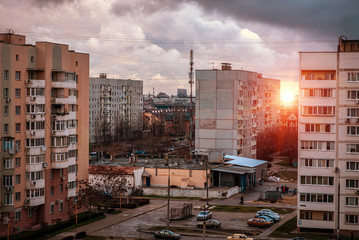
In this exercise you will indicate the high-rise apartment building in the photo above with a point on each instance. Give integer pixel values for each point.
(116, 108)
(44, 130)
(328, 131)
(226, 111)
(268, 109)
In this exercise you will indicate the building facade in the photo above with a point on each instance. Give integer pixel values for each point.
(226, 114)
(328, 133)
(44, 131)
(116, 107)
(268, 109)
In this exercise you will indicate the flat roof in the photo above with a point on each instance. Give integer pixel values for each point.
(233, 169)
(242, 161)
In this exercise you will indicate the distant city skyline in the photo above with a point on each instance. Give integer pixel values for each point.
(151, 40)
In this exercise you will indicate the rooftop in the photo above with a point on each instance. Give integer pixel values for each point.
(244, 162)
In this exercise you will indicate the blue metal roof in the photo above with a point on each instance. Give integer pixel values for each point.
(242, 161)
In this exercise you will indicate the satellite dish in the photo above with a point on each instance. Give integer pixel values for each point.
(43, 148)
(12, 151)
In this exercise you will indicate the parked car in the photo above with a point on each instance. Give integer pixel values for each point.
(267, 210)
(266, 218)
(238, 236)
(212, 223)
(259, 222)
(166, 234)
(204, 215)
(275, 217)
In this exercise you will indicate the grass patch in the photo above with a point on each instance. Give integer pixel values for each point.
(285, 230)
(228, 208)
(76, 226)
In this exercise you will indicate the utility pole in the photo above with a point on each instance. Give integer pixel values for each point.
(168, 195)
(190, 105)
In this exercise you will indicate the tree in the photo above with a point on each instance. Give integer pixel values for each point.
(104, 187)
(267, 143)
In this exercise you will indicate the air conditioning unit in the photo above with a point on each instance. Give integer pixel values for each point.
(8, 189)
(44, 165)
(68, 186)
(17, 149)
(33, 183)
(42, 114)
(11, 151)
(347, 121)
(77, 158)
(33, 116)
(27, 200)
(33, 133)
(27, 150)
(8, 100)
(57, 201)
(63, 178)
(33, 98)
(28, 81)
(53, 100)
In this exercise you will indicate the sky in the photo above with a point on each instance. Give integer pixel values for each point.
(150, 40)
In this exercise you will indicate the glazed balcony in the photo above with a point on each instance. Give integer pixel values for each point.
(71, 192)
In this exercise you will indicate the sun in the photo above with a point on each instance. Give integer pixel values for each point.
(287, 97)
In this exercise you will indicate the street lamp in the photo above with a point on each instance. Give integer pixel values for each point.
(205, 208)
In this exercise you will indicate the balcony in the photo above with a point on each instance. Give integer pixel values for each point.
(35, 99)
(35, 184)
(35, 133)
(35, 83)
(34, 167)
(60, 133)
(35, 116)
(72, 177)
(64, 84)
(36, 201)
(71, 192)
(60, 164)
(35, 150)
(64, 100)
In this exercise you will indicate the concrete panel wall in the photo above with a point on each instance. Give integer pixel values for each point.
(225, 124)
(318, 61)
(225, 114)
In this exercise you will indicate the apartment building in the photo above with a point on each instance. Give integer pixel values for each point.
(116, 107)
(268, 110)
(226, 111)
(328, 134)
(44, 131)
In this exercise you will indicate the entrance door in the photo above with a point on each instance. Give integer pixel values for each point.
(148, 181)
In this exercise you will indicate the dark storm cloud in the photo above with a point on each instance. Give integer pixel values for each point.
(43, 3)
(320, 17)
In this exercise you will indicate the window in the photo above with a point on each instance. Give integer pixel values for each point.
(6, 110)
(328, 216)
(61, 206)
(61, 172)
(17, 127)
(17, 110)
(6, 128)
(353, 130)
(35, 193)
(8, 199)
(17, 162)
(353, 166)
(17, 179)
(317, 145)
(17, 92)
(30, 212)
(6, 92)
(305, 215)
(351, 183)
(317, 180)
(35, 142)
(318, 110)
(32, 59)
(351, 219)
(17, 144)
(52, 208)
(316, 197)
(33, 176)
(351, 201)
(51, 190)
(318, 128)
(17, 196)
(352, 148)
(17, 215)
(32, 109)
(38, 125)
(17, 57)
(61, 188)
(51, 173)
(353, 77)
(8, 163)
(317, 92)
(6, 74)
(353, 112)
(17, 75)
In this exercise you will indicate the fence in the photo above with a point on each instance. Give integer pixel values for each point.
(180, 213)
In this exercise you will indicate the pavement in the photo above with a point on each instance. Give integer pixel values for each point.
(113, 219)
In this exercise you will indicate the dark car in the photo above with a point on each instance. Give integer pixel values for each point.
(166, 234)
(204, 215)
(210, 224)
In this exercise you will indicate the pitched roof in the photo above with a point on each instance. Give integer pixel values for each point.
(242, 161)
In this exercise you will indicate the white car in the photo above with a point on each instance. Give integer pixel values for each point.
(268, 210)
